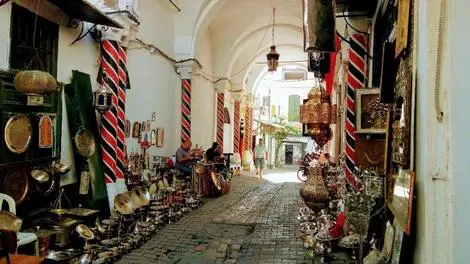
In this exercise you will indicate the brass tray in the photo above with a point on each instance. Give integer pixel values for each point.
(18, 133)
(16, 184)
(9, 221)
(123, 203)
(85, 143)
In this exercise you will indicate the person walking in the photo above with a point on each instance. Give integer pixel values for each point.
(261, 154)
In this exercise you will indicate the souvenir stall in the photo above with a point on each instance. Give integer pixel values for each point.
(360, 210)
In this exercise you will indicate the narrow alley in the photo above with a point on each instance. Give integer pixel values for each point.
(255, 223)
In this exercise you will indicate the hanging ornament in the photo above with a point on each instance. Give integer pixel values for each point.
(272, 58)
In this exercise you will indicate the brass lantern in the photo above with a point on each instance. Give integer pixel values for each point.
(318, 113)
(272, 59)
(102, 98)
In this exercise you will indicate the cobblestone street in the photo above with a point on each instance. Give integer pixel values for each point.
(255, 223)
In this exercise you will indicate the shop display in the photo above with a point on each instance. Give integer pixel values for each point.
(18, 133)
(371, 114)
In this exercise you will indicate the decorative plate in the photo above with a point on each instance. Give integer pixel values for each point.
(18, 133)
(85, 143)
(16, 185)
(46, 132)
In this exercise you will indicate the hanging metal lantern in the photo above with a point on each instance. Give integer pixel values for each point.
(319, 25)
(103, 98)
(317, 114)
(272, 59)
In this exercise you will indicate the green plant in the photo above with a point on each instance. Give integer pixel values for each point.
(279, 134)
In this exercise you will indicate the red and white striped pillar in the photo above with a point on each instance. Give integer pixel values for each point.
(220, 118)
(248, 128)
(185, 71)
(185, 109)
(113, 74)
(356, 79)
(236, 127)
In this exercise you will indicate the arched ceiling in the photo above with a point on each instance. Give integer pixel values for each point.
(240, 34)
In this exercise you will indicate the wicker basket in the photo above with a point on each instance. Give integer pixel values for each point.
(35, 82)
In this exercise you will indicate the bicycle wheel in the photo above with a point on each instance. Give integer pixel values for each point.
(302, 175)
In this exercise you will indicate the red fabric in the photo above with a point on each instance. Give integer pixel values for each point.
(330, 76)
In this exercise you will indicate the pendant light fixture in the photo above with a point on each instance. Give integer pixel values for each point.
(273, 57)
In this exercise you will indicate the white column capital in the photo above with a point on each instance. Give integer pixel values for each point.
(186, 68)
(222, 85)
(122, 35)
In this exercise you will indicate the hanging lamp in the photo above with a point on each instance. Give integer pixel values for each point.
(273, 57)
(318, 113)
(102, 97)
(319, 25)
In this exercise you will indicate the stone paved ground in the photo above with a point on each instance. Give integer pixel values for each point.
(255, 223)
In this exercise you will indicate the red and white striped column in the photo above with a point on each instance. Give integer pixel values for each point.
(356, 79)
(236, 127)
(220, 119)
(248, 128)
(185, 110)
(114, 76)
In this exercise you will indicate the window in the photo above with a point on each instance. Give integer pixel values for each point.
(46, 40)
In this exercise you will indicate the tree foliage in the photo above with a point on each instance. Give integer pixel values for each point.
(279, 134)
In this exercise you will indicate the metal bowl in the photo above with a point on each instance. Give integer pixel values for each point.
(40, 175)
(84, 232)
(61, 168)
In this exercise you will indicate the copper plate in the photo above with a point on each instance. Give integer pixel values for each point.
(85, 142)
(16, 184)
(18, 133)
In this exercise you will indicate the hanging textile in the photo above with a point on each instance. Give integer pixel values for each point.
(236, 127)
(220, 119)
(185, 110)
(356, 79)
(113, 74)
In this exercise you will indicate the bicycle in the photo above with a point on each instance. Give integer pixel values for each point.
(302, 174)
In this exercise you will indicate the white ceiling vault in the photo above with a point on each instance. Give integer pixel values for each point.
(240, 33)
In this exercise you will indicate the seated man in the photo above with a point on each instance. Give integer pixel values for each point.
(183, 158)
(213, 154)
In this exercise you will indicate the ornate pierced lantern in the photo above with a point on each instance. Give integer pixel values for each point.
(318, 113)
(272, 59)
(103, 98)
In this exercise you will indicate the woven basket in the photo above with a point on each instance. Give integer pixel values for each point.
(35, 82)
